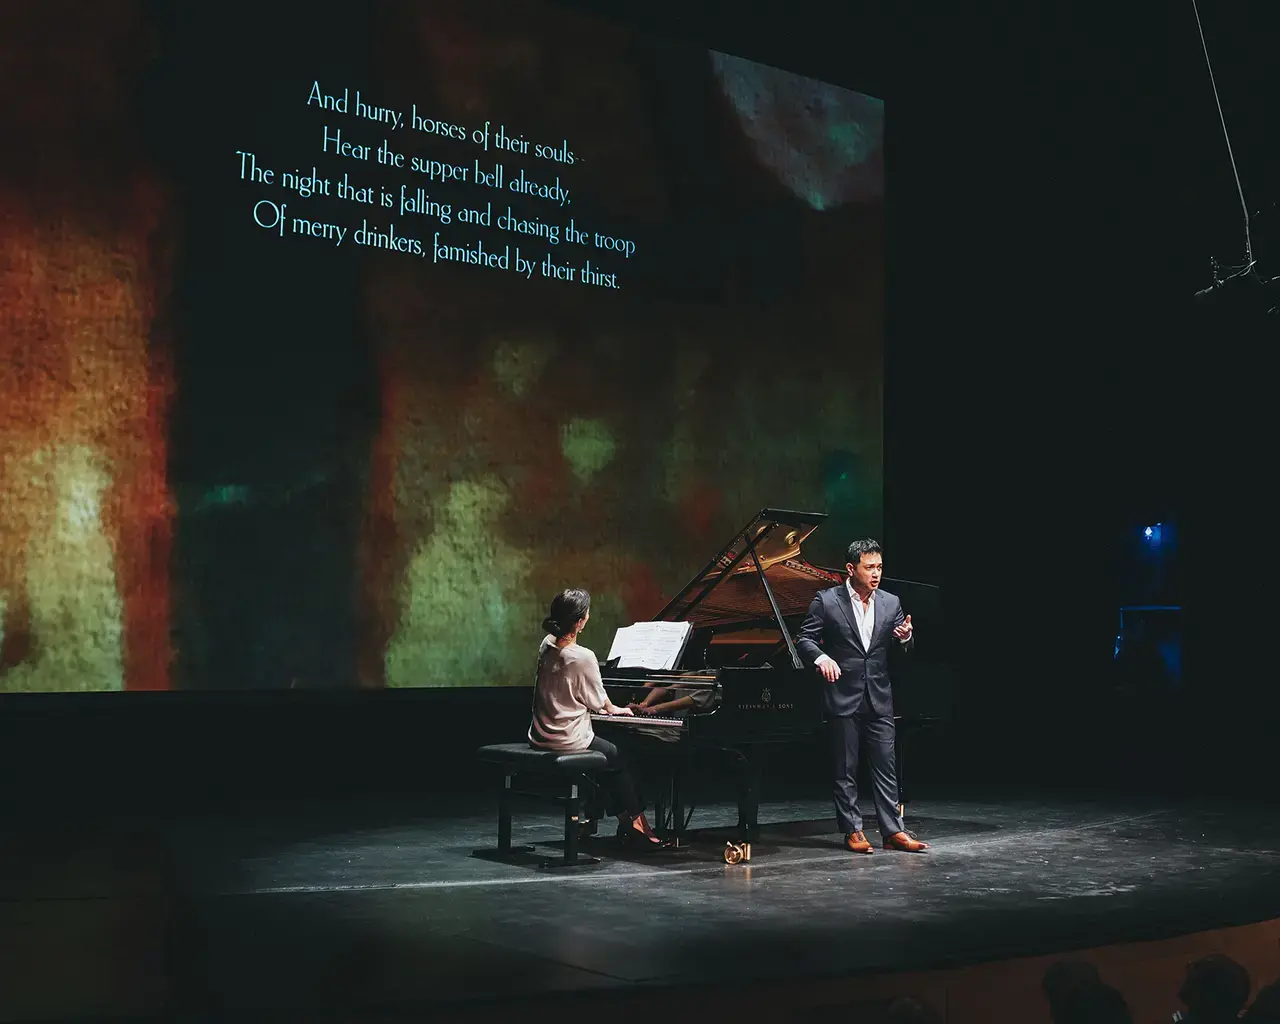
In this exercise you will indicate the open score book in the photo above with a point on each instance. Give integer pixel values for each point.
(651, 645)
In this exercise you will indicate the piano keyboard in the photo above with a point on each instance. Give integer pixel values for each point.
(638, 720)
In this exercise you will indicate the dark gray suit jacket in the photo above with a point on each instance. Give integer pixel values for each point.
(830, 628)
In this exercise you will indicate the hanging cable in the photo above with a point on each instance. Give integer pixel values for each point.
(1248, 241)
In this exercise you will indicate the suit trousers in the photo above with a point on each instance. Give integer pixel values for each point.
(867, 730)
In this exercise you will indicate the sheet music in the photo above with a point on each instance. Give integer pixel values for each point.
(651, 645)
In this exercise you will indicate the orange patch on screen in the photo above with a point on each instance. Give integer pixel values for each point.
(85, 516)
(85, 380)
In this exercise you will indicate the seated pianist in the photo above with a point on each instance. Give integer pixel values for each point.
(567, 691)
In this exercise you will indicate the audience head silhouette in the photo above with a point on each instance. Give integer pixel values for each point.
(1266, 1006)
(1216, 988)
(1077, 995)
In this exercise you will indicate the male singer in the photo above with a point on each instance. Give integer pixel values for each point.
(846, 637)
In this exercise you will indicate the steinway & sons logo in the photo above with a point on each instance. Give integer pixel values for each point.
(765, 703)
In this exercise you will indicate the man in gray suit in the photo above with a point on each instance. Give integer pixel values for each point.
(846, 638)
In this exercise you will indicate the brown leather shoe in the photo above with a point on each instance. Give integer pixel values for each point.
(904, 841)
(856, 842)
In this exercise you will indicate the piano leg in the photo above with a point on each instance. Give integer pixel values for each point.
(660, 806)
(677, 837)
(748, 778)
(749, 796)
(663, 771)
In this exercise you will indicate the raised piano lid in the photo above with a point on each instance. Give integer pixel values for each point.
(728, 594)
(728, 599)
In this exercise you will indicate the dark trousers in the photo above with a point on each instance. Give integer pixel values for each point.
(850, 735)
(621, 786)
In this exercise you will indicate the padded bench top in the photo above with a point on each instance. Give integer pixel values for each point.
(521, 755)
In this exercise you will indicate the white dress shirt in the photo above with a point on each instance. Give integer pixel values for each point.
(864, 615)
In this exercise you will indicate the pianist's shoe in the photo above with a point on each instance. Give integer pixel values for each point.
(636, 833)
(904, 841)
(857, 843)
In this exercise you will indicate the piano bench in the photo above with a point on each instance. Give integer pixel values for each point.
(569, 770)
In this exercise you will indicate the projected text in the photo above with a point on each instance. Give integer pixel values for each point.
(504, 208)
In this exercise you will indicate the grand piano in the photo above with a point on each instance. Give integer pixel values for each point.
(744, 684)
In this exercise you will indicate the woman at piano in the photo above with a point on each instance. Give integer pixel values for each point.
(567, 692)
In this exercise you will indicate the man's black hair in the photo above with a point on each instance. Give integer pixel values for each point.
(858, 548)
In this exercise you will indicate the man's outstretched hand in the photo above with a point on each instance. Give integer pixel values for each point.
(903, 632)
(828, 668)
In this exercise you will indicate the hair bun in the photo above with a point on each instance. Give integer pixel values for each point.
(568, 606)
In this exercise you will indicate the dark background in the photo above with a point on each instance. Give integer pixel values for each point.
(1056, 184)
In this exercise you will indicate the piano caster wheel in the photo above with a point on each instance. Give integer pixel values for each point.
(737, 853)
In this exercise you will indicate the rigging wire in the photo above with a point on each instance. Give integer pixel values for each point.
(1248, 240)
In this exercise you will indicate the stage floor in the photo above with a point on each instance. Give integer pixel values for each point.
(307, 912)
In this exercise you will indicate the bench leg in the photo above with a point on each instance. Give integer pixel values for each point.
(505, 851)
(572, 815)
(504, 816)
(572, 806)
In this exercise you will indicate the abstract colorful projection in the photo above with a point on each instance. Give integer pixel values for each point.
(824, 143)
(307, 455)
(85, 513)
